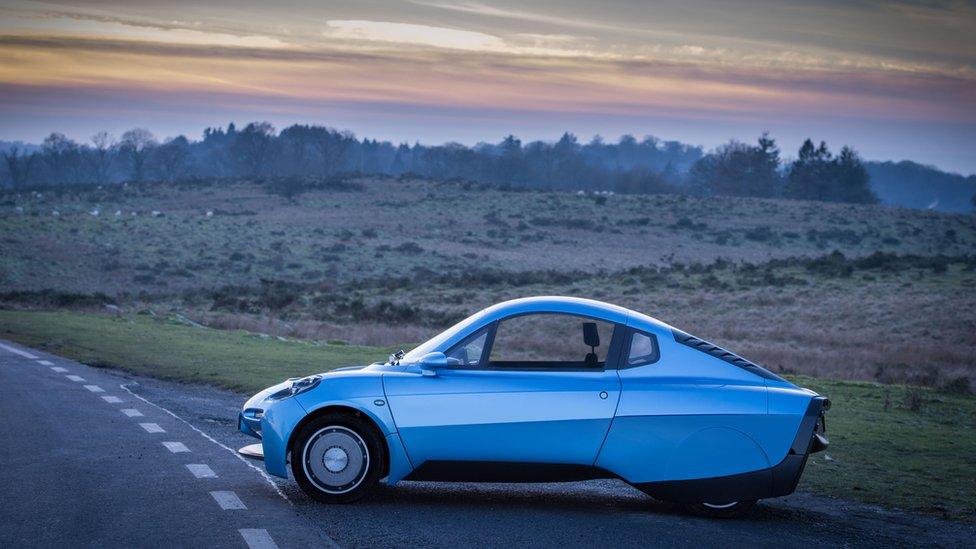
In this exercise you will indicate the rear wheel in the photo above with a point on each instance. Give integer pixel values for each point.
(337, 458)
(732, 509)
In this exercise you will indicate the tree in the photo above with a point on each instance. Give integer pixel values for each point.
(569, 165)
(332, 147)
(640, 181)
(511, 161)
(103, 144)
(172, 158)
(19, 165)
(62, 158)
(852, 179)
(818, 175)
(252, 149)
(136, 145)
(737, 169)
(297, 149)
(809, 174)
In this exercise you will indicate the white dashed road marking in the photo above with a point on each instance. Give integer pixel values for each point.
(257, 538)
(176, 447)
(16, 351)
(232, 451)
(228, 501)
(200, 470)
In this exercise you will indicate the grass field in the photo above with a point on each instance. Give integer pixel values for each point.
(828, 290)
(160, 240)
(898, 446)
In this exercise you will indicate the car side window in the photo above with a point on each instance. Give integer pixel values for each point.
(643, 349)
(468, 352)
(550, 341)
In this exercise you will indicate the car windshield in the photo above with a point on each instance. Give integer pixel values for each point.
(436, 341)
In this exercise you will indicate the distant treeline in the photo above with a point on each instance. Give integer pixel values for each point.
(649, 165)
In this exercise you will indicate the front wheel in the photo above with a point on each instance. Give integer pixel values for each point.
(336, 458)
(733, 509)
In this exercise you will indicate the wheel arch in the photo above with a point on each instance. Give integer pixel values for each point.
(346, 410)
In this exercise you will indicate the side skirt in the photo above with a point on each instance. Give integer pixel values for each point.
(504, 471)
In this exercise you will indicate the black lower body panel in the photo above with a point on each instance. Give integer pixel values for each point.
(773, 482)
(495, 471)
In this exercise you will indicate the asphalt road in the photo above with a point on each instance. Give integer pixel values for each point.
(80, 469)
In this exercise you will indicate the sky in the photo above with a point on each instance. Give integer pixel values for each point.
(896, 80)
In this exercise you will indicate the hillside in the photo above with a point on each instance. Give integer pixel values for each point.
(800, 286)
(913, 185)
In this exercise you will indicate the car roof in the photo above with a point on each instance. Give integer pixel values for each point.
(571, 305)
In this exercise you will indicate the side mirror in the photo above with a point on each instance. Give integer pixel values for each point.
(430, 362)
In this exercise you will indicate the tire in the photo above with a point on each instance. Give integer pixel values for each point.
(735, 509)
(337, 458)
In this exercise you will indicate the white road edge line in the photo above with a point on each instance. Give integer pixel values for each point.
(94, 388)
(152, 427)
(112, 399)
(17, 351)
(258, 538)
(201, 470)
(228, 501)
(260, 471)
(45, 363)
(176, 447)
(79, 379)
(131, 412)
(59, 369)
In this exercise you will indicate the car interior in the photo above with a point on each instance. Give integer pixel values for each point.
(537, 342)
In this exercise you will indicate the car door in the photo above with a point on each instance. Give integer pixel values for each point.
(512, 394)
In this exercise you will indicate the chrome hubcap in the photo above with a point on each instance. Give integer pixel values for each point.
(335, 459)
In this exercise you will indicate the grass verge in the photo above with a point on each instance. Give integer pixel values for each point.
(896, 446)
(174, 350)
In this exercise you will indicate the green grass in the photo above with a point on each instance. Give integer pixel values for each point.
(921, 460)
(169, 349)
(918, 460)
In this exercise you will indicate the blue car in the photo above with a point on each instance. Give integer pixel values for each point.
(546, 389)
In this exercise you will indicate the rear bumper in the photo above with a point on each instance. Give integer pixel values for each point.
(776, 481)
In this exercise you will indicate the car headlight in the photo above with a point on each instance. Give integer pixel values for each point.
(298, 385)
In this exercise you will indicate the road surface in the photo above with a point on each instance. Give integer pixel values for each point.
(96, 458)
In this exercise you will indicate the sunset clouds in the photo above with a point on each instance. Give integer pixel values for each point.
(895, 80)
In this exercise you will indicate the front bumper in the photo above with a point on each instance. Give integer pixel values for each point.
(250, 424)
(272, 422)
